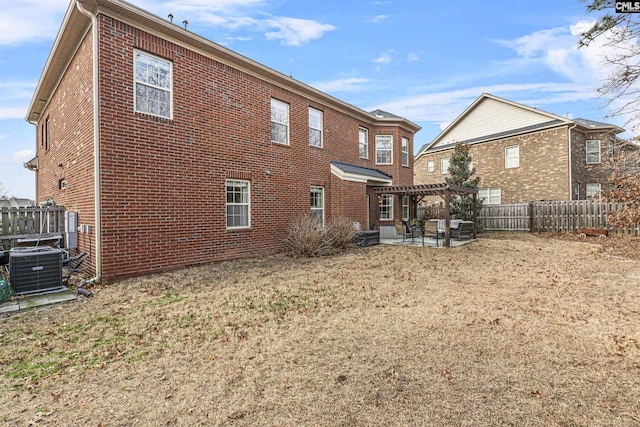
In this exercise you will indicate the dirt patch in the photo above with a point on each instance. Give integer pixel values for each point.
(508, 330)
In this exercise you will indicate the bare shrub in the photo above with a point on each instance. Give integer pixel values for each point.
(306, 237)
(341, 232)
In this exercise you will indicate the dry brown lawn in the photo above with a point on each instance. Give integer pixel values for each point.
(511, 330)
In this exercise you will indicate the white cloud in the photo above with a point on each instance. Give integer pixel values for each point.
(377, 19)
(352, 84)
(384, 57)
(295, 31)
(30, 20)
(411, 57)
(8, 113)
(23, 155)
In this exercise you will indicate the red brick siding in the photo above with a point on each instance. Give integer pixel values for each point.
(70, 154)
(163, 181)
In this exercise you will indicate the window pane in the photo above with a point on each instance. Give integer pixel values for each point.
(315, 137)
(386, 207)
(512, 157)
(237, 203)
(153, 85)
(279, 133)
(363, 143)
(444, 165)
(384, 149)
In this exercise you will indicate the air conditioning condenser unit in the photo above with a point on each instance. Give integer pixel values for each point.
(34, 270)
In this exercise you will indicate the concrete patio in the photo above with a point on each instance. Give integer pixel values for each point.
(428, 242)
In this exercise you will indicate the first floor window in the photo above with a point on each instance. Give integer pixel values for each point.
(279, 122)
(593, 190)
(489, 196)
(238, 207)
(593, 151)
(405, 152)
(512, 157)
(363, 143)
(384, 149)
(317, 204)
(315, 127)
(153, 80)
(444, 165)
(405, 207)
(386, 207)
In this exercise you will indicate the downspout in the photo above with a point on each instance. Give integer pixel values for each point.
(570, 160)
(96, 145)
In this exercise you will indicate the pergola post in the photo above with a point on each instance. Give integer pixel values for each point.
(474, 215)
(447, 217)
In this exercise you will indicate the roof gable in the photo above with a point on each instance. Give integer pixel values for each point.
(489, 115)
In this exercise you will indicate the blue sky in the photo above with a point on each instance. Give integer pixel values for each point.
(424, 60)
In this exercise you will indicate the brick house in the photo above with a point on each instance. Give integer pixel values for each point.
(178, 151)
(523, 154)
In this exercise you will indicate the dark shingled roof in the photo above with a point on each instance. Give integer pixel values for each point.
(360, 170)
(593, 123)
(384, 114)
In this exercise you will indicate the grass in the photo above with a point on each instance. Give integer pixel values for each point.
(515, 330)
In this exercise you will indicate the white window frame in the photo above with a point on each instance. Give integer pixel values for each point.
(386, 207)
(315, 127)
(279, 117)
(363, 142)
(591, 192)
(445, 162)
(405, 151)
(512, 157)
(431, 166)
(384, 149)
(591, 151)
(405, 208)
(153, 78)
(245, 201)
(490, 196)
(317, 195)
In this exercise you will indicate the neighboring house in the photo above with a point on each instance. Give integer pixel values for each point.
(13, 202)
(178, 151)
(523, 154)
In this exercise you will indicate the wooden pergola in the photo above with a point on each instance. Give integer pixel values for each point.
(417, 192)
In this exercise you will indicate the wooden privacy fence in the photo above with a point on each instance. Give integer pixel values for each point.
(23, 223)
(562, 216)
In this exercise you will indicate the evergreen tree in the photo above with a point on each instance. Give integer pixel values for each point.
(461, 174)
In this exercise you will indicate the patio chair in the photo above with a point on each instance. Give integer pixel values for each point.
(431, 230)
(403, 230)
(463, 231)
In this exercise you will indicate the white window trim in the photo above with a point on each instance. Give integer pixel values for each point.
(248, 204)
(320, 209)
(320, 129)
(390, 150)
(363, 143)
(443, 170)
(511, 161)
(488, 195)
(598, 192)
(586, 147)
(275, 101)
(405, 208)
(405, 151)
(389, 197)
(136, 83)
(431, 166)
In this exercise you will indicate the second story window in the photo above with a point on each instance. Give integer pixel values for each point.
(279, 122)
(405, 152)
(384, 149)
(593, 151)
(431, 166)
(512, 157)
(153, 80)
(444, 165)
(315, 127)
(363, 143)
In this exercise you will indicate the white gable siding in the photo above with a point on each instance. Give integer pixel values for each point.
(489, 117)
